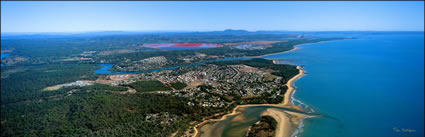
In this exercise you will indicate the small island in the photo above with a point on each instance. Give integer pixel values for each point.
(266, 127)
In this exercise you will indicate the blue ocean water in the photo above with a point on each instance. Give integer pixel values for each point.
(373, 85)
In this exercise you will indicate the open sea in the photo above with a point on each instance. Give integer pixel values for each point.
(373, 85)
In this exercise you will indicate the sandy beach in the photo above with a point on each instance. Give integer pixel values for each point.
(287, 120)
(287, 101)
(296, 47)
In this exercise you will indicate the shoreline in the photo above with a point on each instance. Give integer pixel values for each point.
(292, 117)
(115, 72)
(295, 47)
(291, 87)
(286, 103)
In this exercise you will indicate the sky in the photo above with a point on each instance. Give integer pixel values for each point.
(83, 16)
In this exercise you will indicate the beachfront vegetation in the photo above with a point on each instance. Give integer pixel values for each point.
(178, 85)
(106, 87)
(266, 127)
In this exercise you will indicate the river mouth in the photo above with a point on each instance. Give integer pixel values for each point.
(237, 125)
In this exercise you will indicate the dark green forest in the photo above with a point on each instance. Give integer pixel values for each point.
(265, 128)
(147, 86)
(90, 111)
(178, 85)
(27, 82)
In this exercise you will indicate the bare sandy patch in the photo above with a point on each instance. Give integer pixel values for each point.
(109, 52)
(121, 77)
(200, 54)
(287, 121)
(51, 88)
(196, 83)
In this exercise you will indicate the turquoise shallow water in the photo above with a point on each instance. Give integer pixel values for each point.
(372, 85)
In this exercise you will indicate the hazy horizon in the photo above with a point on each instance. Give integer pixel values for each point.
(142, 16)
(147, 31)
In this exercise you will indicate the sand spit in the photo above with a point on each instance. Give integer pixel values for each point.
(287, 121)
(296, 47)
